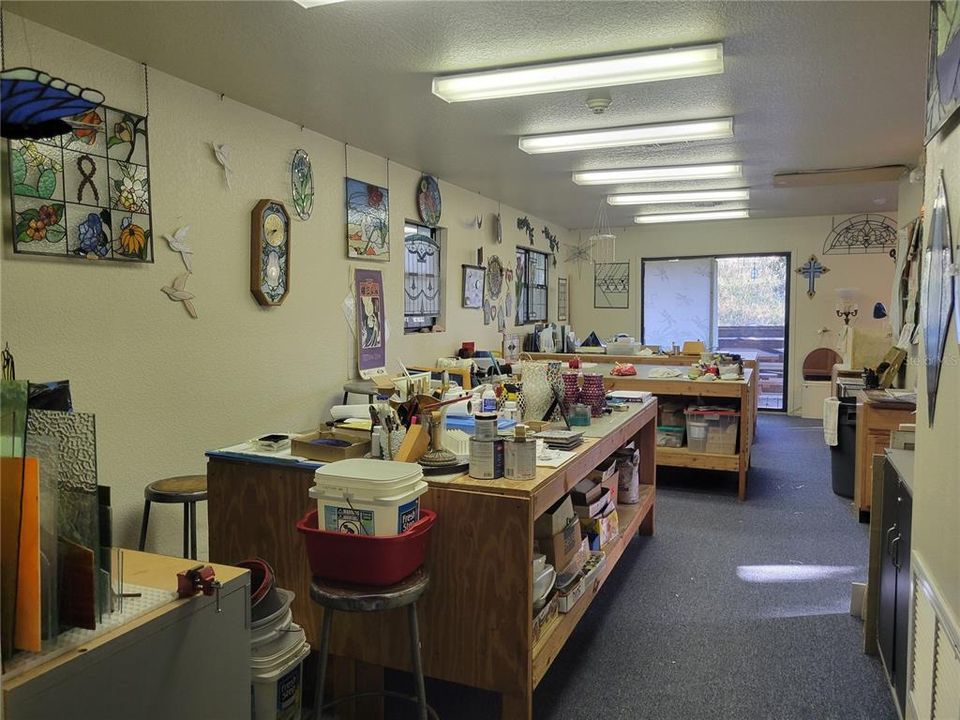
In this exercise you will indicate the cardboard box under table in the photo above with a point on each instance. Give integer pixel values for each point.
(557, 533)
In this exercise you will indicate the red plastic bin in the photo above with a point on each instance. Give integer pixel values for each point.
(377, 560)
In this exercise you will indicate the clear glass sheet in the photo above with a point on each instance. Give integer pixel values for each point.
(78, 512)
(46, 450)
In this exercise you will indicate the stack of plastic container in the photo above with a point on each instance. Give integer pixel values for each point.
(278, 647)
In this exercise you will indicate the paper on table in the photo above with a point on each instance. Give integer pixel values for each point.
(554, 458)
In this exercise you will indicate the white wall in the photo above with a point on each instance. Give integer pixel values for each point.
(799, 236)
(166, 388)
(936, 494)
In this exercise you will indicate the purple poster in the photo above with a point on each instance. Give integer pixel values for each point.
(371, 322)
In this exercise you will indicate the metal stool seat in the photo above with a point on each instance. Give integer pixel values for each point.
(187, 490)
(360, 387)
(358, 598)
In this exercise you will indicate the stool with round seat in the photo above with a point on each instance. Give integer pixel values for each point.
(360, 387)
(187, 490)
(358, 598)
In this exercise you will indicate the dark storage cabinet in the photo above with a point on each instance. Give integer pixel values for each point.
(893, 620)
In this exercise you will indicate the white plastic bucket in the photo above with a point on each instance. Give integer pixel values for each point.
(276, 672)
(271, 633)
(368, 497)
(339, 510)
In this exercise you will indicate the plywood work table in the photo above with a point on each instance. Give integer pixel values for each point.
(740, 392)
(183, 654)
(476, 617)
(749, 359)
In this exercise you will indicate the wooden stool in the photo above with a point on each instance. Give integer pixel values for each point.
(360, 387)
(359, 598)
(185, 489)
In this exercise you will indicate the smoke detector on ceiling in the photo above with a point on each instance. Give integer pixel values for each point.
(916, 175)
(598, 101)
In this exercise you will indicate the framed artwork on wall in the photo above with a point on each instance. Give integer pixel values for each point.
(368, 221)
(473, 286)
(936, 301)
(611, 285)
(943, 70)
(563, 300)
(84, 194)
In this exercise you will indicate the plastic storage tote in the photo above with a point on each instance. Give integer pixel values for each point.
(670, 436)
(712, 430)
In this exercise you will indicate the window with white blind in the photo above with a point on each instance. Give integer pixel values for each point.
(422, 278)
(531, 286)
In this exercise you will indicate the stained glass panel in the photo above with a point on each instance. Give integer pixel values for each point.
(85, 194)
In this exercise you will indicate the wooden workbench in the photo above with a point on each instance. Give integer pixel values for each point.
(181, 655)
(738, 390)
(476, 619)
(749, 361)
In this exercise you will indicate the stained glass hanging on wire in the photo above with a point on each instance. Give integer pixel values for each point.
(36, 106)
(301, 184)
(84, 194)
(862, 234)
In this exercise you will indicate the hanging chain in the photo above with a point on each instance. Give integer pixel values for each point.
(146, 88)
(388, 173)
(3, 45)
(346, 173)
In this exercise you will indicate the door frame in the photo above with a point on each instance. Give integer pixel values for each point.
(788, 289)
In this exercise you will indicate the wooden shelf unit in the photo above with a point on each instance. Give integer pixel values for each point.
(476, 624)
(740, 391)
(555, 635)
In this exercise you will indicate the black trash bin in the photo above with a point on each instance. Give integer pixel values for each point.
(843, 455)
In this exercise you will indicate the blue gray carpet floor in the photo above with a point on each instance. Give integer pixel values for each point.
(731, 610)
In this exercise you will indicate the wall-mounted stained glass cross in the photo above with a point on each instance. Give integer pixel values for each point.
(811, 270)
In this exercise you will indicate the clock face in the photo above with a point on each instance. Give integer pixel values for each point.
(270, 279)
(274, 228)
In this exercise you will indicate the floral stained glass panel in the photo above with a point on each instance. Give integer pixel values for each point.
(368, 221)
(84, 194)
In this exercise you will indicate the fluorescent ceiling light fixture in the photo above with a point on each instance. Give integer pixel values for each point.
(609, 71)
(689, 217)
(687, 196)
(628, 136)
(315, 3)
(658, 174)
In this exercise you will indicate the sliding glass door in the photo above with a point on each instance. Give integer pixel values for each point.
(734, 304)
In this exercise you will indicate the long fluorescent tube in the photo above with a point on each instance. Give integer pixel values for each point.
(689, 217)
(687, 196)
(315, 3)
(628, 136)
(658, 174)
(581, 74)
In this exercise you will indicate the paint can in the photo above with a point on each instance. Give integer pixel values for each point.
(485, 426)
(520, 456)
(486, 459)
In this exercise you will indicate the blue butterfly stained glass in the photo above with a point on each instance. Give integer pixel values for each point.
(34, 105)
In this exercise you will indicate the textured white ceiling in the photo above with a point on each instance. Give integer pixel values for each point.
(810, 84)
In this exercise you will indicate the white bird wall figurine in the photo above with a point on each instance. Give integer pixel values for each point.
(178, 243)
(178, 293)
(222, 153)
